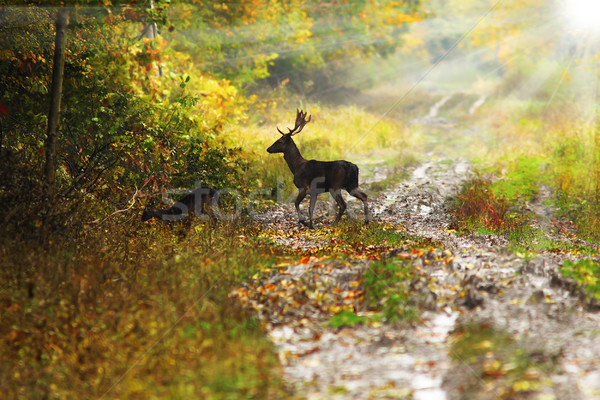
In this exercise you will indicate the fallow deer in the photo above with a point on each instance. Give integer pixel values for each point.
(200, 201)
(315, 177)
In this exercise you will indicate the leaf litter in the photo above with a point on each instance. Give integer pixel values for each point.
(332, 346)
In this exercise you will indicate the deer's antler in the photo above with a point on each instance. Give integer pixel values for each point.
(299, 125)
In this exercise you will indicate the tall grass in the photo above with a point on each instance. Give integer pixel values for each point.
(575, 172)
(333, 133)
(140, 311)
(536, 143)
(477, 208)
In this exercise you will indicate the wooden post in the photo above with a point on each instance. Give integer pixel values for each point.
(62, 20)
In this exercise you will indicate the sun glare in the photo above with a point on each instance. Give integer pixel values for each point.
(583, 15)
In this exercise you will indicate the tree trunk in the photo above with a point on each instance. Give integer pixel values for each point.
(151, 32)
(62, 20)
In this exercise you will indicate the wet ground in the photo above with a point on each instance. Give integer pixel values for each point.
(472, 278)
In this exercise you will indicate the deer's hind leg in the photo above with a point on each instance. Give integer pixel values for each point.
(337, 196)
(301, 195)
(311, 209)
(359, 194)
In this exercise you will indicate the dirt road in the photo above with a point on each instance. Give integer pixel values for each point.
(471, 280)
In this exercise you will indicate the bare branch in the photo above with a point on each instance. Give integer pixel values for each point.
(131, 204)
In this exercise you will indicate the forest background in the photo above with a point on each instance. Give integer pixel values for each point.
(160, 97)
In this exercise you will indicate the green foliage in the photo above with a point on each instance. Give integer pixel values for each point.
(117, 132)
(476, 207)
(387, 289)
(587, 275)
(135, 311)
(552, 141)
(138, 113)
(575, 169)
(520, 181)
(304, 43)
(528, 243)
(496, 206)
(347, 318)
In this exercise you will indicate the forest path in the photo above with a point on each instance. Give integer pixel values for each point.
(466, 280)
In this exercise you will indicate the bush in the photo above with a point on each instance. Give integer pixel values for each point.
(116, 132)
(477, 207)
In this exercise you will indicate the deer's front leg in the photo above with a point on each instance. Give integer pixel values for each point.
(337, 196)
(359, 194)
(311, 209)
(301, 195)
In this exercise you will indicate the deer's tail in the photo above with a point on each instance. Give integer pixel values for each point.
(351, 176)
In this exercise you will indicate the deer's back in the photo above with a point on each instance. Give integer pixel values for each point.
(327, 175)
(193, 202)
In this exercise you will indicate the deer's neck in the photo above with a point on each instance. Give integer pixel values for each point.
(293, 157)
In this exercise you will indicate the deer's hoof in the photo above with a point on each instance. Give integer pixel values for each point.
(303, 222)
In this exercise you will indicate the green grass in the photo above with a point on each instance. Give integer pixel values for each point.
(531, 142)
(520, 181)
(343, 132)
(477, 208)
(495, 205)
(529, 242)
(387, 290)
(347, 318)
(586, 274)
(498, 206)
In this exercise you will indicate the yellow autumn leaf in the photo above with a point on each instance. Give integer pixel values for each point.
(523, 386)
(335, 309)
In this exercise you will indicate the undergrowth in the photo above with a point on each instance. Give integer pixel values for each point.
(477, 208)
(529, 242)
(135, 311)
(499, 206)
(555, 148)
(586, 274)
(387, 290)
(353, 239)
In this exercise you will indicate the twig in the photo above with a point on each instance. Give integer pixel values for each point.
(131, 204)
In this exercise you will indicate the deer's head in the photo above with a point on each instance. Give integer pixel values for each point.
(285, 140)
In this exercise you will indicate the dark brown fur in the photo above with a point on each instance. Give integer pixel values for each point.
(315, 177)
(200, 201)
